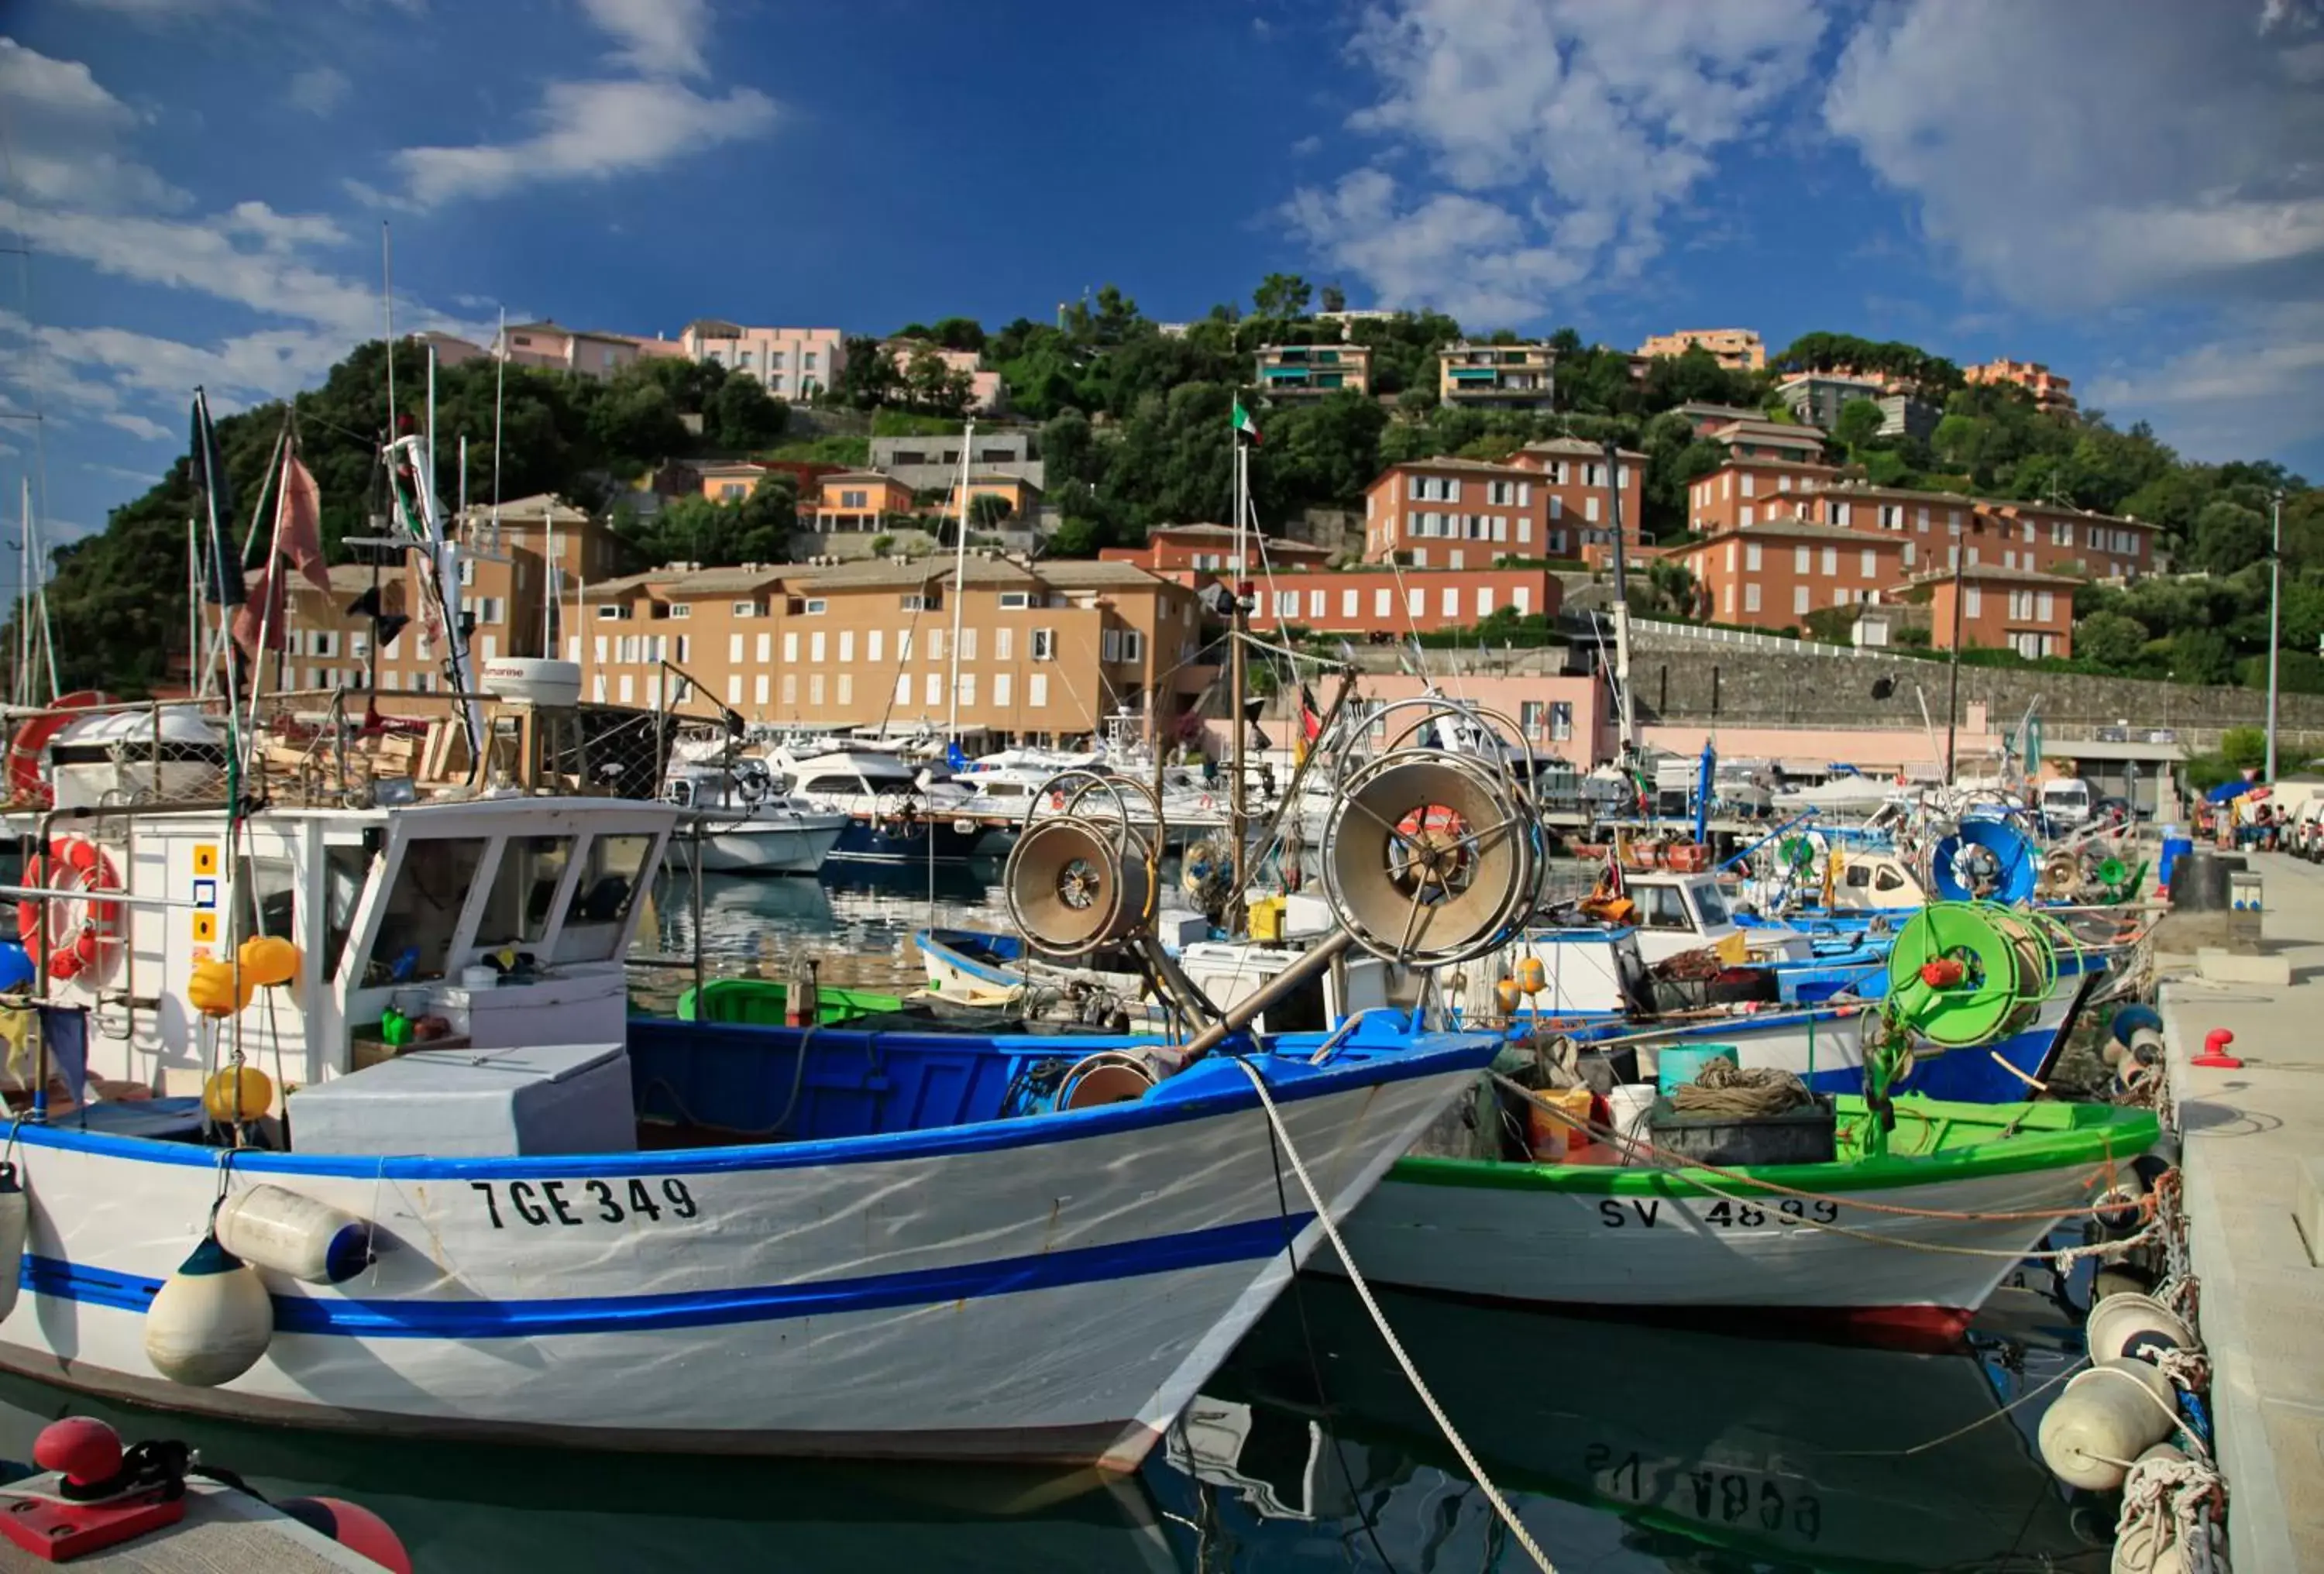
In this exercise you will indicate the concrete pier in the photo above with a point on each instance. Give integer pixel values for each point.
(2250, 1136)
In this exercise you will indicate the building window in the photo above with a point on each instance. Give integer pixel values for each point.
(1831, 561)
(1036, 690)
(1799, 559)
(1561, 721)
(1001, 683)
(1013, 601)
(1973, 607)
(1867, 563)
(814, 647)
(1004, 642)
(903, 688)
(933, 689)
(1750, 556)
(815, 688)
(1043, 649)
(1799, 599)
(1752, 596)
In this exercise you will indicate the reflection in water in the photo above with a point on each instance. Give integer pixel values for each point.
(1623, 1447)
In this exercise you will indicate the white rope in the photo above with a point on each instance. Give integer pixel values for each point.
(1379, 1320)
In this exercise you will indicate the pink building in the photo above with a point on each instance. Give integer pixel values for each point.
(793, 363)
(552, 344)
(450, 349)
(988, 394)
(2049, 390)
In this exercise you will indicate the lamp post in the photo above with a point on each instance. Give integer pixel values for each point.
(2274, 618)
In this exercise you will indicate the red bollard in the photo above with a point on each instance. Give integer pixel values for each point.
(2215, 1055)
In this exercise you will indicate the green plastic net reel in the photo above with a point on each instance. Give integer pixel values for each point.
(1963, 974)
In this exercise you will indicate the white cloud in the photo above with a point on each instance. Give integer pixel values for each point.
(1566, 130)
(658, 38)
(317, 90)
(138, 425)
(2129, 149)
(2256, 387)
(165, 9)
(590, 130)
(66, 135)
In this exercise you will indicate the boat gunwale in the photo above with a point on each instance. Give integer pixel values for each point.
(2120, 1136)
(1432, 1054)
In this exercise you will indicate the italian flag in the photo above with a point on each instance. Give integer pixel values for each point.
(1245, 427)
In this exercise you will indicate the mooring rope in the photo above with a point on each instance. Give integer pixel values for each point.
(1379, 1320)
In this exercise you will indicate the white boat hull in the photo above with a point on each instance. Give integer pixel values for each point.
(991, 1292)
(745, 847)
(1704, 1253)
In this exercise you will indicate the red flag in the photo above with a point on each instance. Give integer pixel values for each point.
(299, 523)
(268, 600)
(1311, 726)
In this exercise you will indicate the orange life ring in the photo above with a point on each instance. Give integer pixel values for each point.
(30, 741)
(84, 928)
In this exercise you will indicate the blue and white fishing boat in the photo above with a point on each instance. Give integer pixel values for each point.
(900, 813)
(564, 1227)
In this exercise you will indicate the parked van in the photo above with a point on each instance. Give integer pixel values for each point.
(2065, 804)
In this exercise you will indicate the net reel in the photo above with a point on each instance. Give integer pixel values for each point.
(1963, 974)
(1432, 857)
(1085, 875)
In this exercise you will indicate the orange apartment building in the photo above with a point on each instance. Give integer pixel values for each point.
(552, 344)
(1023, 496)
(1736, 349)
(2005, 608)
(1746, 491)
(2049, 390)
(1773, 572)
(1367, 601)
(855, 500)
(1550, 501)
(1757, 438)
(1181, 551)
(1045, 653)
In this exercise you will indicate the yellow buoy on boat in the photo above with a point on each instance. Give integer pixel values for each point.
(237, 1093)
(210, 1320)
(1532, 976)
(216, 990)
(268, 960)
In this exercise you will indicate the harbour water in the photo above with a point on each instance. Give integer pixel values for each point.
(1623, 1446)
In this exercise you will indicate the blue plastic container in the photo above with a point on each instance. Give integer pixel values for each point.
(1680, 1065)
(2175, 848)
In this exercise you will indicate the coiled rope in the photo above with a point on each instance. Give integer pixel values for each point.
(1724, 1088)
(1379, 1319)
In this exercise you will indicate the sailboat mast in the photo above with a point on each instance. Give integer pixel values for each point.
(959, 575)
(21, 690)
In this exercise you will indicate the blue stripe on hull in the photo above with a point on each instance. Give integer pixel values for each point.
(1251, 1241)
(865, 843)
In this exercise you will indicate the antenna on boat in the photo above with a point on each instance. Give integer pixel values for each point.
(499, 392)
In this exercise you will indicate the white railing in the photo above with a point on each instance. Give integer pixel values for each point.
(1749, 641)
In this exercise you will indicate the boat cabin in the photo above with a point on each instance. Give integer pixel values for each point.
(1876, 882)
(1678, 912)
(508, 919)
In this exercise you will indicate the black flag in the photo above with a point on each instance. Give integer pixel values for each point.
(221, 560)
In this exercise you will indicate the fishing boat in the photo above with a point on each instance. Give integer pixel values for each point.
(751, 824)
(1988, 1180)
(764, 1002)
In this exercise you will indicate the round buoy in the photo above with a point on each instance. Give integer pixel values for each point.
(15, 1225)
(210, 1320)
(2136, 1325)
(268, 960)
(2112, 1412)
(353, 1526)
(17, 970)
(237, 1093)
(2130, 1019)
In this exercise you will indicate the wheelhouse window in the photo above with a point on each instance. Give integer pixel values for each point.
(524, 894)
(423, 909)
(603, 896)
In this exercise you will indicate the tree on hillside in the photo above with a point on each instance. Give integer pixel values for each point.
(933, 386)
(867, 377)
(1858, 423)
(742, 415)
(2228, 537)
(957, 333)
(2112, 639)
(989, 512)
(1281, 295)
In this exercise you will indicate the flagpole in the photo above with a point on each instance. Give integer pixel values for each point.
(1236, 678)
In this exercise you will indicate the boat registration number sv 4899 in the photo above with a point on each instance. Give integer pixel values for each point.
(540, 1203)
(1622, 1213)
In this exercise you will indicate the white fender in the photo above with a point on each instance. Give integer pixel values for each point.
(270, 1228)
(2115, 1410)
(15, 1223)
(211, 1320)
(2136, 1325)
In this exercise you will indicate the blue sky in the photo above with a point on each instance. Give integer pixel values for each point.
(2128, 189)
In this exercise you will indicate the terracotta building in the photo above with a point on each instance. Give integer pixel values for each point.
(1773, 572)
(2002, 609)
(1576, 473)
(1736, 349)
(1298, 371)
(1364, 601)
(1745, 492)
(1550, 501)
(2049, 390)
(855, 500)
(1181, 550)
